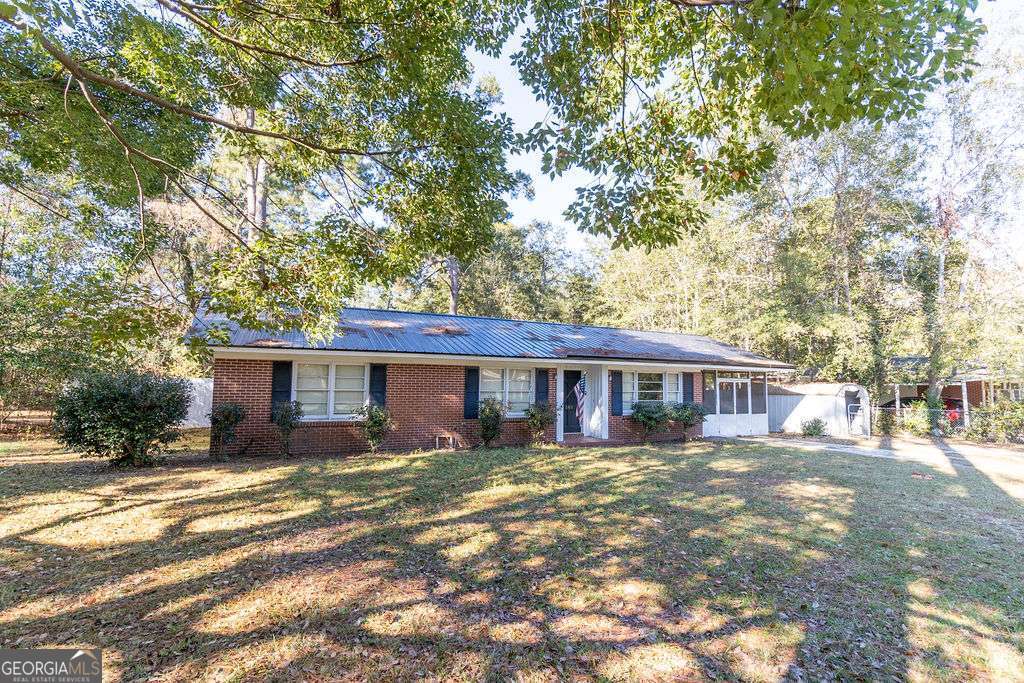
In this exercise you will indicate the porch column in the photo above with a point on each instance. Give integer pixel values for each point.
(967, 404)
(557, 403)
(899, 407)
(597, 397)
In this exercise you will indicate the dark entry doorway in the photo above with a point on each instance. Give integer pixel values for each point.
(571, 422)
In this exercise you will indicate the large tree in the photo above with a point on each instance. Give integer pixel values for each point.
(371, 107)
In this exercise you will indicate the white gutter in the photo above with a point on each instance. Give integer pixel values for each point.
(249, 352)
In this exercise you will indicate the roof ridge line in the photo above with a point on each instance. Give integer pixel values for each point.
(521, 320)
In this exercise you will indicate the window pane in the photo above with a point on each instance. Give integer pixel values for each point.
(649, 386)
(628, 390)
(757, 400)
(348, 402)
(520, 389)
(672, 388)
(741, 398)
(725, 402)
(311, 388)
(709, 392)
(491, 384)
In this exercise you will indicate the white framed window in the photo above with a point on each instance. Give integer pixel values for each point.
(312, 382)
(673, 388)
(330, 391)
(513, 387)
(492, 384)
(520, 389)
(628, 392)
(349, 389)
(650, 387)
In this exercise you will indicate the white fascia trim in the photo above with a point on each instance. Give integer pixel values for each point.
(247, 352)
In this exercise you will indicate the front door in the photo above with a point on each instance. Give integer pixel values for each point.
(733, 407)
(569, 382)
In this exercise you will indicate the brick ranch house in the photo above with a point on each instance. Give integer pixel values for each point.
(431, 371)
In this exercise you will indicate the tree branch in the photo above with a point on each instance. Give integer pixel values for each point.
(708, 3)
(249, 47)
(84, 74)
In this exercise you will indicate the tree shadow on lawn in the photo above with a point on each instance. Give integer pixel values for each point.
(627, 563)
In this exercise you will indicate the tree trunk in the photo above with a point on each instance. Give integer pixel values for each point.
(935, 312)
(454, 270)
(255, 190)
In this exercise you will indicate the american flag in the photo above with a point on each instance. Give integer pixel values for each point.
(581, 391)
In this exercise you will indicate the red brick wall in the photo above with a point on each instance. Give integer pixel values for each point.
(426, 401)
(621, 428)
(954, 391)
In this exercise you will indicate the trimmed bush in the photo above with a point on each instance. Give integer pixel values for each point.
(492, 416)
(224, 420)
(652, 417)
(539, 416)
(287, 417)
(687, 415)
(126, 417)
(813, 427)
(376, 425)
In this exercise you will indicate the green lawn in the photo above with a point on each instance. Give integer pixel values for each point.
(659, 563)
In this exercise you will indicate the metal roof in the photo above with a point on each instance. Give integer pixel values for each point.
(384, 331)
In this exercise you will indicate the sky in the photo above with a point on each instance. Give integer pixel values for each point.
(552, 197)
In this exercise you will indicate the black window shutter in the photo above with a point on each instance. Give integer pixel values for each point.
(616, 392)
(280, 384)
(540, 393)
(688, 387)
(378, 384)
(471, 409)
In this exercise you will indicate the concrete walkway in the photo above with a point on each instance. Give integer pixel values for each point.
(931, 452)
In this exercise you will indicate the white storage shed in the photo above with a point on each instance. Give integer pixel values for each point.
(844, 408)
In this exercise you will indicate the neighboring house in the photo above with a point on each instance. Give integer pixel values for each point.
(432, 371)
(974, 382)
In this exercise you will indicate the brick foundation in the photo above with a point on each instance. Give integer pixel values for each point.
(426, 402)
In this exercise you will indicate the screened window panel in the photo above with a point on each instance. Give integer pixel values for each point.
(491, 384)
(672, 394)
(725, 399)
(742, 407)
(710, 392)
(311, 387)
(649, 386)
(757, 397)
(349, 389)
(520, 389)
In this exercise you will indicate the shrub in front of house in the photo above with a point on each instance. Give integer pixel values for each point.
(492, 416)
(376, 425)
(126, 416)
(915, 419)
(539, 417)
(224, 420)
(687, 415)
(1002, 422)
(652, 417)
(813, 427)
(287, 417)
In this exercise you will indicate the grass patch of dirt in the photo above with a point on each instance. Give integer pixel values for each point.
(675, 562)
